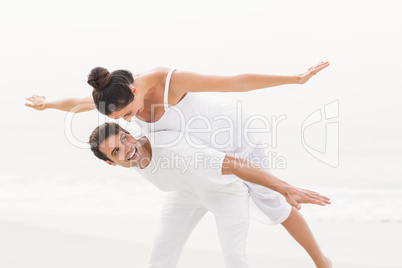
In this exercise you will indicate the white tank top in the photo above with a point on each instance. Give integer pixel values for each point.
(219, 123)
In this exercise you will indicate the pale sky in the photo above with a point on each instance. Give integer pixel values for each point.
(49, 47)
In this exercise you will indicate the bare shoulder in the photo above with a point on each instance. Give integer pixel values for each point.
(158, 73)
(159, 76)
(155, 76)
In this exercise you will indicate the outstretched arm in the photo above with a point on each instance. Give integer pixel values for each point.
(183, 82)
(247, 171)
(74, 105)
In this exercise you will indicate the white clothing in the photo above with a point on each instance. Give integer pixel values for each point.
(184, 167)
(186, 206)
(219, 123)
(196, 186)
(182, 210)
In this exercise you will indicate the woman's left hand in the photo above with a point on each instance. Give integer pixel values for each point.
(304, 77)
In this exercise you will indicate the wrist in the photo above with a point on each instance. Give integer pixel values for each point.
(46, 105)
(284, 188)
(297, 79)
(291, 79)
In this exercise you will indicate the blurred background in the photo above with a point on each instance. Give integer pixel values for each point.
(49, 47)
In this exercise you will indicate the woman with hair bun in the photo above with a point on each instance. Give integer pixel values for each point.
(165, 99)
(134, 97)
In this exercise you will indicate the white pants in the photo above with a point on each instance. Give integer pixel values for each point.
(183, 209)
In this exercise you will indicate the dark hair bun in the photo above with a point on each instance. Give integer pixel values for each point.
(99, 78)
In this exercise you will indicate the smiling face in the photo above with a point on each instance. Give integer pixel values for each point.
(126, 151)
(132, 109)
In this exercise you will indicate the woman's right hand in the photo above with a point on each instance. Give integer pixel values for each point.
(37, 102)
(296, 196)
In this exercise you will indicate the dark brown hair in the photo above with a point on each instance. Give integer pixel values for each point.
(111, 91)
(100, 134)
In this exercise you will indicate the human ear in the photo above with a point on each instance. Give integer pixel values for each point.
(134, 90)
(110, 163)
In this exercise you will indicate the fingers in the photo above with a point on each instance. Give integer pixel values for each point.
(315, 69)
(318, 195)
(299, 196)
(35, 97)
(295, 204)
(310, 197)
(321, 66)
(326, 63)
(324, 199)
(32, 99)
(317, 200)
(36, 100)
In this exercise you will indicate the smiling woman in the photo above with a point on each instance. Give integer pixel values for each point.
(119, 95)
(152, 97)
(57, 46)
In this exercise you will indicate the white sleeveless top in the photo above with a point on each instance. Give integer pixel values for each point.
(219, 123)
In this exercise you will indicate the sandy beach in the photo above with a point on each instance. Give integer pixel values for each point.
(62, 207)
(85, 241)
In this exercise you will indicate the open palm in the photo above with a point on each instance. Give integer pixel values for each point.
(304, 77)
(37, 102)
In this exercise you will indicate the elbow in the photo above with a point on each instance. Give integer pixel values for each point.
(228, 165)
(232, 165)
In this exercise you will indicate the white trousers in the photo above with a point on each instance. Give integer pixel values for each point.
(183, 209)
